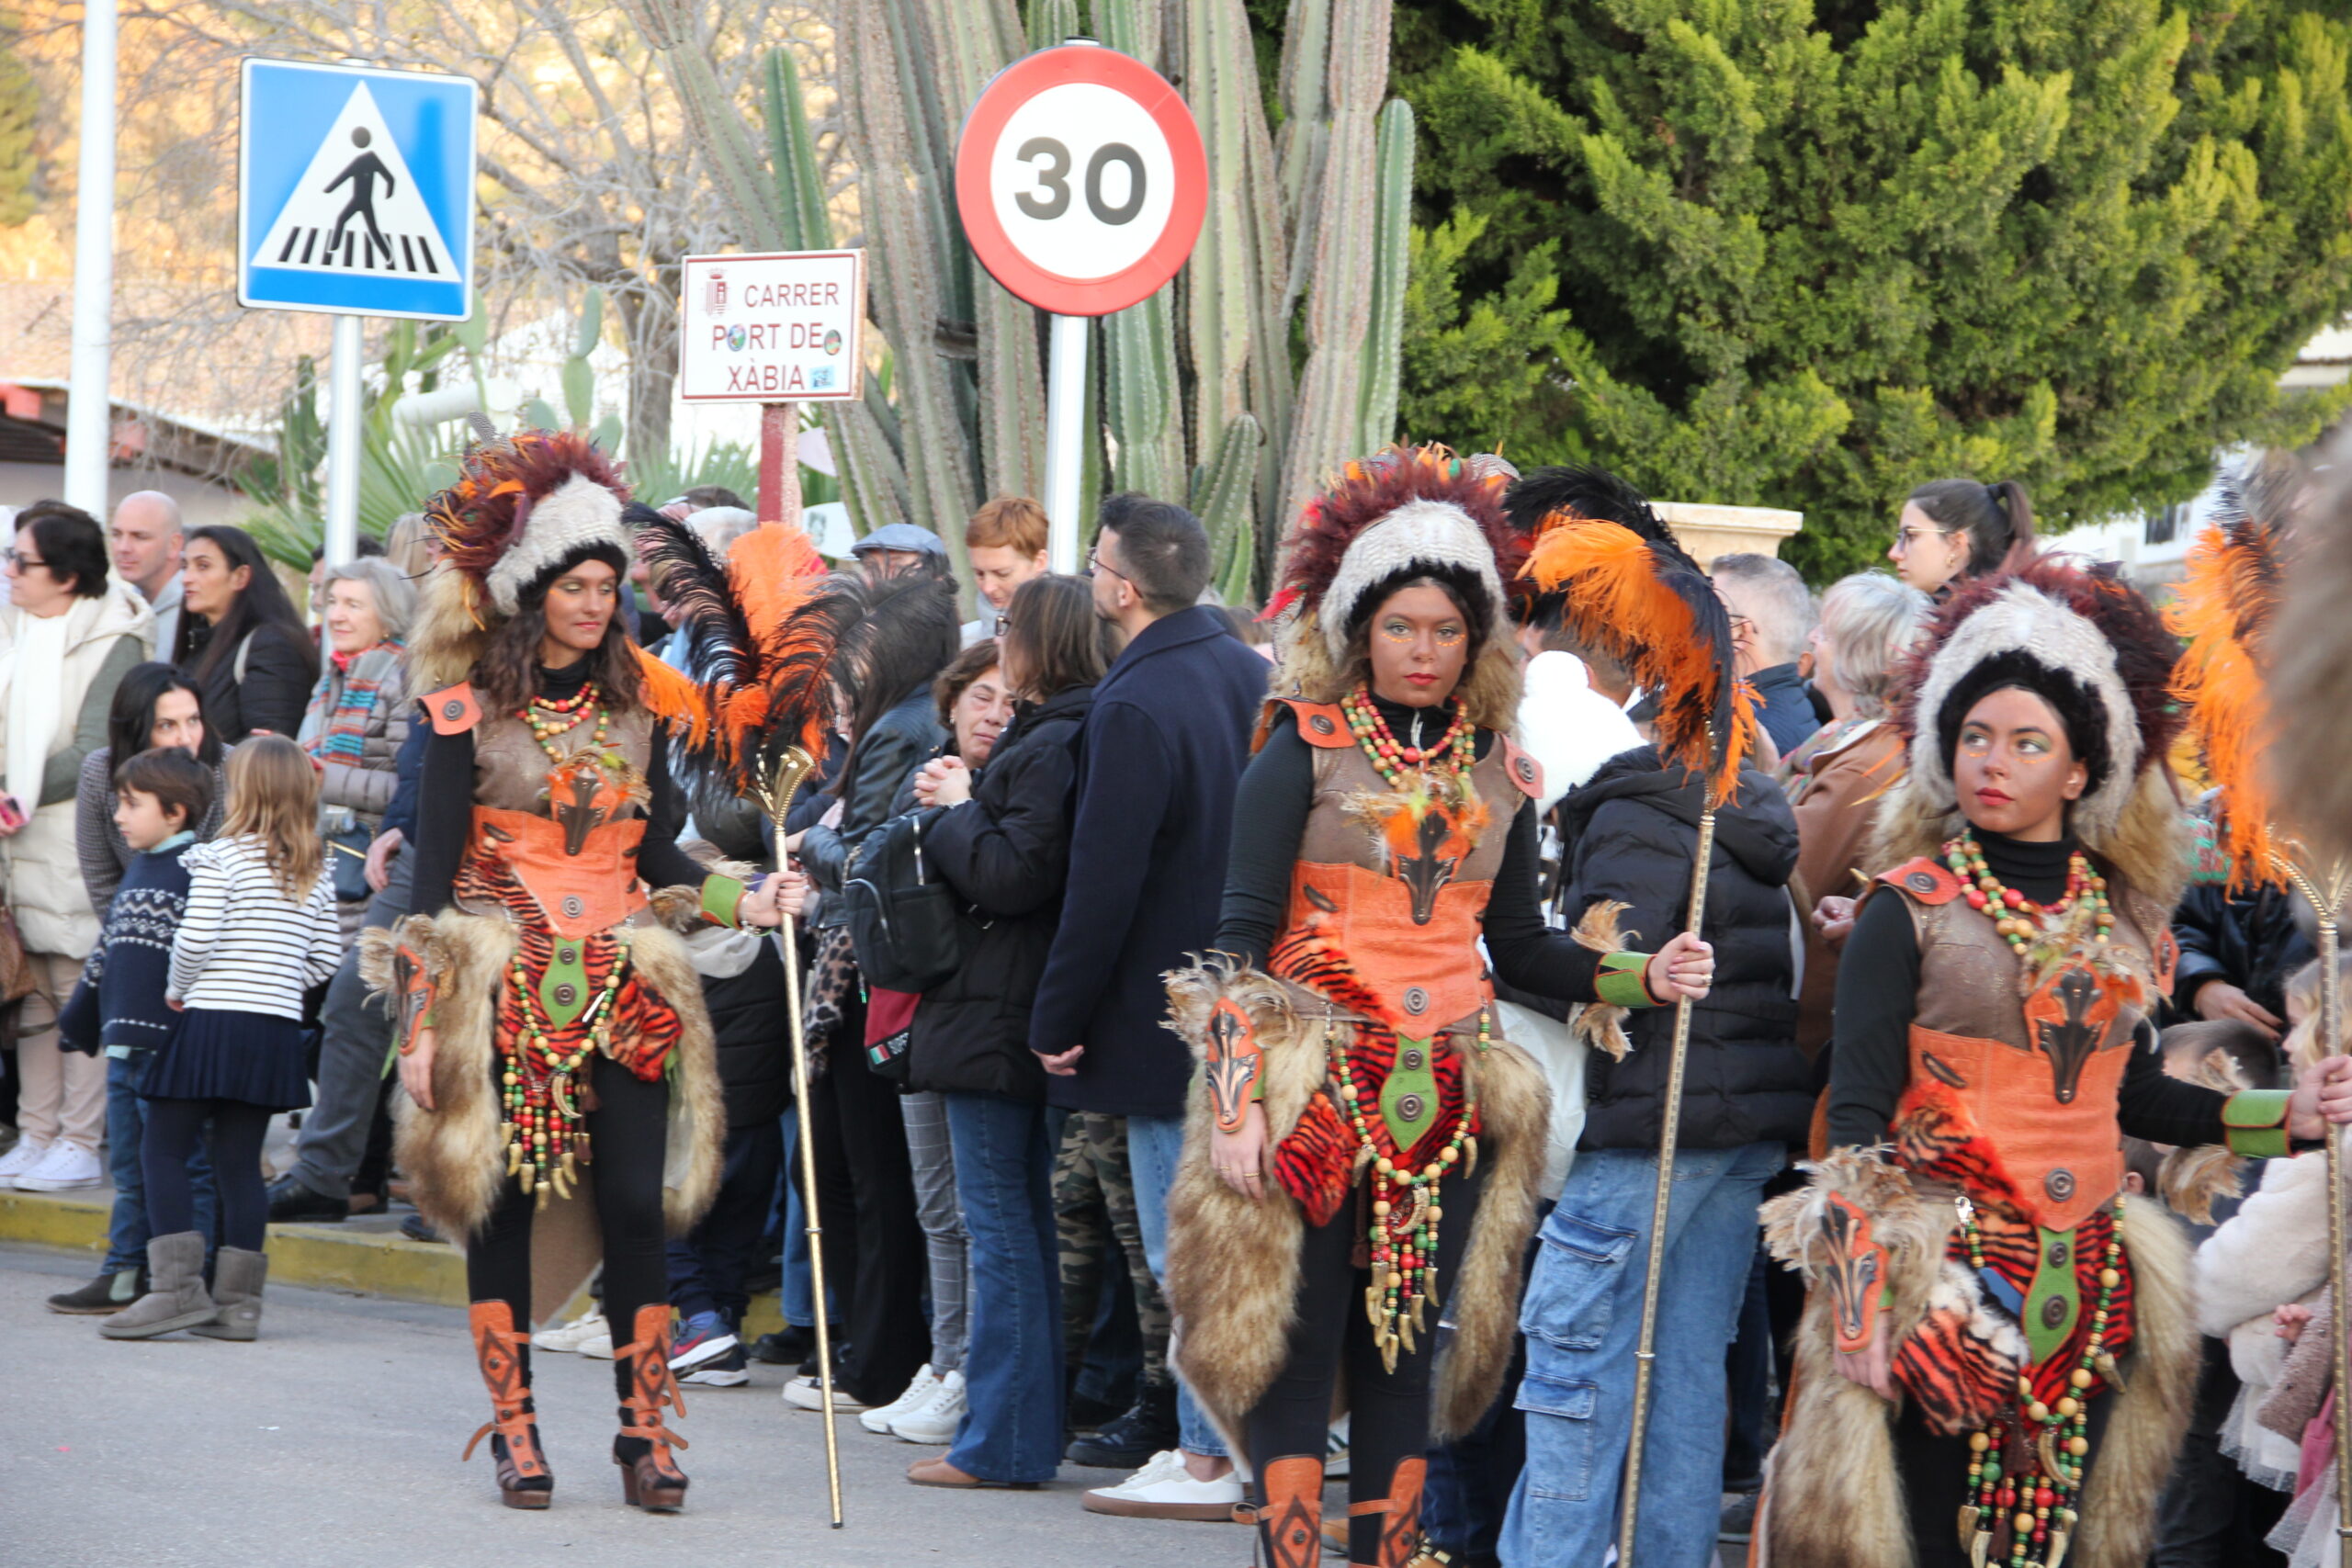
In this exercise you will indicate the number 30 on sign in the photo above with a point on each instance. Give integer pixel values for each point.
(1080, 179)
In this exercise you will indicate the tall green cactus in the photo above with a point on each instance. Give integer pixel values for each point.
(1199, 392)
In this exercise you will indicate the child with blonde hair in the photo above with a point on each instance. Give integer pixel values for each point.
(260, 932)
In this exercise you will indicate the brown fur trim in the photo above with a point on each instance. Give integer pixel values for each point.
(1233, 1261)
(452, 631)
(1489, 691)
(1834, 1497)
(2150, 845)
(453, 1155)
(1601, 1025)
(2190, 1180)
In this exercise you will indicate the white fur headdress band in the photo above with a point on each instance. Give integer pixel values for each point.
(2020, 621)
(1431, 533)
(525, 505)
(578, 516)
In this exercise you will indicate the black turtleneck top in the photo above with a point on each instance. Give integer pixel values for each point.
(445, 801)
(1270, 812)
(1878, 996)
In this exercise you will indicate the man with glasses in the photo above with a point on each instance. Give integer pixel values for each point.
(1771, 615)
(1158, 762)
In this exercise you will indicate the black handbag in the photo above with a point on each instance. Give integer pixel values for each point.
(347, 856)
(905, 924)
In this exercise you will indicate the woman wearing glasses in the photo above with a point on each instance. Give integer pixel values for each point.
(1952, 530)
(67, 638)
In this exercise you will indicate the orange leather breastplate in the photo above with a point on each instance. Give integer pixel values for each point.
(583, 882)
(2063, 1157)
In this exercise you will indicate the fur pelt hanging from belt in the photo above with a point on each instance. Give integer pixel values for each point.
(1834, 1497)
(454, 1154)
(1233, 1262)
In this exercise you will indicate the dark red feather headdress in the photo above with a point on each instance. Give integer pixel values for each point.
(1632, 592)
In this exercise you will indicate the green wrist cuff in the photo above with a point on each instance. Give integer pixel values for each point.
(2256, 1120)
(1619, 982)
(721, 897)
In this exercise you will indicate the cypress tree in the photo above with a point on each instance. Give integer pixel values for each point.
(19, 102)
(1807, 254)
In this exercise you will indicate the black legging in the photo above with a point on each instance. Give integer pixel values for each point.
(1389, 1413)
(874, 1248)
(174, 1126)
(628, 1134)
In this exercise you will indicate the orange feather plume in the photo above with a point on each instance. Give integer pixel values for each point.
(1630, 592)
(2224, 610)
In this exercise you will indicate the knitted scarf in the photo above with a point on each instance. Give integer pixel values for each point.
(339, 733)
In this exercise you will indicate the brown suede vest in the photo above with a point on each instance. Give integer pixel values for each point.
(2038, 1077)
(583, 877)
(1402, 896)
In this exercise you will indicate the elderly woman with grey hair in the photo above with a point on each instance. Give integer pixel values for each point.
(1869, 622)
(359, 716)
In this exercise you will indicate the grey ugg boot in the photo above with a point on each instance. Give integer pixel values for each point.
(237, 1277)
(176, 1297)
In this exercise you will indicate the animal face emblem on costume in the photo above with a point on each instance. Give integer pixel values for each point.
(1851, 1271)
(2069, 1015)
(588, 788)
(1426, 835)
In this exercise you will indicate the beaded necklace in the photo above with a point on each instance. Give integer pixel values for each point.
(2018, 918)
(1458, 746)
(552, 718)
(2025, 1478)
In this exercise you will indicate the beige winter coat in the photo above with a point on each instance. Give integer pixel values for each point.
(43, 874)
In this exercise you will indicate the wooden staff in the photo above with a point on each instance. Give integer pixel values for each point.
(1646, 1351)
(2326, 895)
(791, 772)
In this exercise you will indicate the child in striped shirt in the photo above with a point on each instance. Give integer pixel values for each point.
(260, 932)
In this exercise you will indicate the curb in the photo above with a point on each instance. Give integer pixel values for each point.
(366, 1258)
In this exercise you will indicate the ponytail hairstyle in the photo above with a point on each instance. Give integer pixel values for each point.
(1997, 518)
(273, 801)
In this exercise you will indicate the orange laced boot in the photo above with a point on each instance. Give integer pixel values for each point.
(523, 1479)
(1400, 1532)
(651, 1479)
(1290, 1525)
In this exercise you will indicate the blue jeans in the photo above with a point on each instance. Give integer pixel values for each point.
(710, 1263)
(1154, 1146)
(1012, 1363)
(128, 1233)
(1582, 1318)
(797, 1296)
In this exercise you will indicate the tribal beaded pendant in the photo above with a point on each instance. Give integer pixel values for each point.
(540, 1069)
(550, 719)
(2025, 1472)
(1404, 1212)
(1456, 750)
(2019, 920)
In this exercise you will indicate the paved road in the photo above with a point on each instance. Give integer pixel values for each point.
(332, 1443)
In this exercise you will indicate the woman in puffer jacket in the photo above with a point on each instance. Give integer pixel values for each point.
(1002, 841)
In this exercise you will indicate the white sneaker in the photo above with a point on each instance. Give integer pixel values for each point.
(934, 1421)
(61, 1167)
(808, 1394)
(20, 1159)
(1164, 1489)
(567, 1337)
(918, 1394)
(1335, 1451)
(598, 1347)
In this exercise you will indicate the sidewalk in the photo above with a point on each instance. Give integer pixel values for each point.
(365, 1255)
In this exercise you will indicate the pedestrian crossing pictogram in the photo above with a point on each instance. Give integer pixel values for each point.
(358, 190)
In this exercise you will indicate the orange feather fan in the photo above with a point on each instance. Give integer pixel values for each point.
(1630, 592)
(2224, 610)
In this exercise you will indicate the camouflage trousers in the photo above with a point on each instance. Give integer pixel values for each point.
(1094, 1204)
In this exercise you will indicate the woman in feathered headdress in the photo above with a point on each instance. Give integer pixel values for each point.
(1353, 1075)
(552, 1040)
(1980, 1288)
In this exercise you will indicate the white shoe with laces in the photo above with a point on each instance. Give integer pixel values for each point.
(808, 1394)
(935, 1420)
(61, 1168)
(598, 1347)
(918, 1393)
(567, 1337)
(1164, 1489)
(20, 1159)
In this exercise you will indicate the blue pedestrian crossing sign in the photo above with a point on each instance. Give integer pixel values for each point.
(355, 191)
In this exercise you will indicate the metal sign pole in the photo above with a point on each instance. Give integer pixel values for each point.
(345, 415)
(89, 412)
(780, 462)
(1065, 436)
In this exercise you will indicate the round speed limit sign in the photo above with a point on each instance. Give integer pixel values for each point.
(1080, 179)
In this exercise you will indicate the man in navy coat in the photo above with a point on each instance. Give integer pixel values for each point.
(1162, 751)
